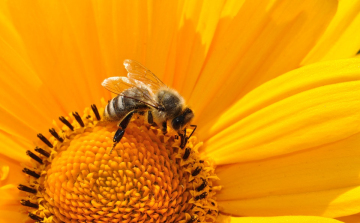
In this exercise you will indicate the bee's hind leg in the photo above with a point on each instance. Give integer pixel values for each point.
(121, 131)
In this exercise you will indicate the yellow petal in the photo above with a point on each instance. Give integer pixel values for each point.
(264, 40)
(298, 204)
(14, 148)
(322, 181)
(340, 39)
(9, 196)
(284, 219)
(223, 219)
(13, 216)
(10, 171)
(303, 109)
(10, 205)
(350, 219)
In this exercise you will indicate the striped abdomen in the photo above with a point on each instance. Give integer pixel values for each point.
(120, 106)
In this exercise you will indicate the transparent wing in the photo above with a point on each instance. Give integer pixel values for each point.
(138, 72)
(118, 85)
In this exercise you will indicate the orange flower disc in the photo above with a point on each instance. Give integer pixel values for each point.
(146, 178)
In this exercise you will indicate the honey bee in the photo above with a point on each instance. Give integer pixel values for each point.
(143, 92)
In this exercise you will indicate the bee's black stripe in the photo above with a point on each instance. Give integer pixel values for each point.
(115, 103)
(108, 109)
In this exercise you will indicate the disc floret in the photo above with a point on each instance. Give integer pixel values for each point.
(146, 178)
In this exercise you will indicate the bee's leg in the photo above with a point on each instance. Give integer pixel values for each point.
(164, 128)
(121, 131)
(183, 139)
(151, 119)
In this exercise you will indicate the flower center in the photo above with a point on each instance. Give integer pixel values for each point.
(146, 178)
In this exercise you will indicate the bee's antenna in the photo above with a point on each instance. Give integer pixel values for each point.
(184, 138)
(195, 126)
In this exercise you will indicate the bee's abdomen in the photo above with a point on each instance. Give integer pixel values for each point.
(120, 106)
(116, 109)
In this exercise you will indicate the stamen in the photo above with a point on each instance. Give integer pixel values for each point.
(196, 171)
(33, 156)
(192, 219)
(66, 122)
(29, 204)
(96, 112)
(78, 119)
(187, 153)
(54, 133)
(202, 186)
(136, 182)
(27, 189)
(35, 217)
(45, 140)
(31, 173)
(42, 152)
(201, 196)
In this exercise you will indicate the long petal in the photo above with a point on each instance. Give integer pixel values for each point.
(303, 109)
(322, 181)
(284, 219)
(264, 40)
(10, 205)
(350, 219)
(338, 40)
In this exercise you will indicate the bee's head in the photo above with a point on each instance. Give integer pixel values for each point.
(182, 120)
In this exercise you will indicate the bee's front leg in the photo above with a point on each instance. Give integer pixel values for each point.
(121, 131)
(183, 139)
(164, 127)
(150, 119)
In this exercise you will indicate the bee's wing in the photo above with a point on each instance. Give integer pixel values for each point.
(117, 85)
(138, 72)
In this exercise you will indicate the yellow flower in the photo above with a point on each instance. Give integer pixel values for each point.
(285, 140)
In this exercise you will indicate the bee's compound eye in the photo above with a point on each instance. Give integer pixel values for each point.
(177, 122)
